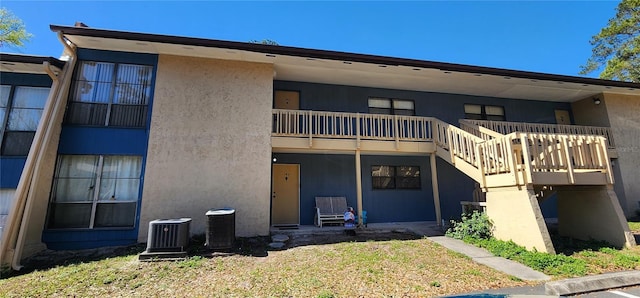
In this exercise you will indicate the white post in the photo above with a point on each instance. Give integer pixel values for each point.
(359, 187)
(434, 185)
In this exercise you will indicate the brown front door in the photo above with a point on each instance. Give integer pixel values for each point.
(562, 117)
(287, 100)
(285, 200)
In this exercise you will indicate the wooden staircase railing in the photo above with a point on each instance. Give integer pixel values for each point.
(490, 158)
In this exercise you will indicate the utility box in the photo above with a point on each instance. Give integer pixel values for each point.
(168, 235)
(221, 229)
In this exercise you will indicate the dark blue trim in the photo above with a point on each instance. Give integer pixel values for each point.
(25, 79)
(102, 140)
(84, 239)
(10, 171)
(117, 57)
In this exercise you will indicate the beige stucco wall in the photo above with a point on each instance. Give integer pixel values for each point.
(210, 143)
(623, 112)
(592, 213)
(586, 112)
(516, 216)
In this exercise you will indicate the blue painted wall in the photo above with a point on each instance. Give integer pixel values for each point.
(103, 140)
(77, 139)
(334, 175)
(446, 107)
(10, 171)
(322, 175)
(398, 205)
(11, 166)
(453, 187)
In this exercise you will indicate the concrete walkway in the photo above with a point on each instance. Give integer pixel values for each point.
(479, 255)
(482, 256)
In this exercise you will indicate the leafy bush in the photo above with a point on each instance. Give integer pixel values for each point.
(476, 225)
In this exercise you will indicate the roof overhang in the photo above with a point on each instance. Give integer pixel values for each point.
(27, 63)
(331, 67)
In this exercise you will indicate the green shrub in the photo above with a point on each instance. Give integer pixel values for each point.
(476, 225)
(557, 264)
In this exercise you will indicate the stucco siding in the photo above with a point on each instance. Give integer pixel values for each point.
(209, 143)
(624, 115)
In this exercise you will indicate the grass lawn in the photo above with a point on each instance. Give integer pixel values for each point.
(406, 268)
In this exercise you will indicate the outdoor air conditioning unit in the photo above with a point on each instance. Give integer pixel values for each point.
(168, 235)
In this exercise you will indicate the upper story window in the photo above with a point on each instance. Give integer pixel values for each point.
(20, 111)
(484, 112)
(110, 94)
(378, 105)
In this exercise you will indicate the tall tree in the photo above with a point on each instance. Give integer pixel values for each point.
(12, 30)
(616, 49)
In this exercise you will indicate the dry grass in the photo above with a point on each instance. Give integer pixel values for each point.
(398, 268)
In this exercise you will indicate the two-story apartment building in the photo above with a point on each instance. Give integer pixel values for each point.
(148, 126)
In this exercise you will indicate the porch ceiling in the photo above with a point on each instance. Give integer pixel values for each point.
(305, 65)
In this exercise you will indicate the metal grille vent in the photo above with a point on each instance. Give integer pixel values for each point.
(168, 235)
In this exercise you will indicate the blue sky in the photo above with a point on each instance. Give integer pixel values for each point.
(542, 36)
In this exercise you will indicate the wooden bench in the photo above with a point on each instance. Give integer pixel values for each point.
(330, 210)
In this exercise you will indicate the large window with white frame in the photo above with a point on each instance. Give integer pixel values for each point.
(95, 191)
(110, 94)
(20, 112)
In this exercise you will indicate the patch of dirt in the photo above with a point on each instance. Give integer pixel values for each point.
(317, 239)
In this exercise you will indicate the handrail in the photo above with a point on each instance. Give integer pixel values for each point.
(485, 153)
(458, 142)
(504, 127)
(479, 131)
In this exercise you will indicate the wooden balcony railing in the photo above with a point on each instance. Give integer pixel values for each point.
(336, 125)
(504, 127)
(491, 158)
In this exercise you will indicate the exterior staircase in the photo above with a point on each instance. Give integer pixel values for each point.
(514, 168)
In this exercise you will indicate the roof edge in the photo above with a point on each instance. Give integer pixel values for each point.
(335, 55)
(31, 59)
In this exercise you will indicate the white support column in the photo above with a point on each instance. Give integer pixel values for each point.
(359, 187)
(434, 186)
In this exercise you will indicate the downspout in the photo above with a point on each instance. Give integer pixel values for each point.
(53, 108)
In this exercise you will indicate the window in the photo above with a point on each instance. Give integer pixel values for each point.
(110, 94)
(92, 191)
(6, 200)
(391, 106)
(482, 112)
(395, 177)
(20, 111)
